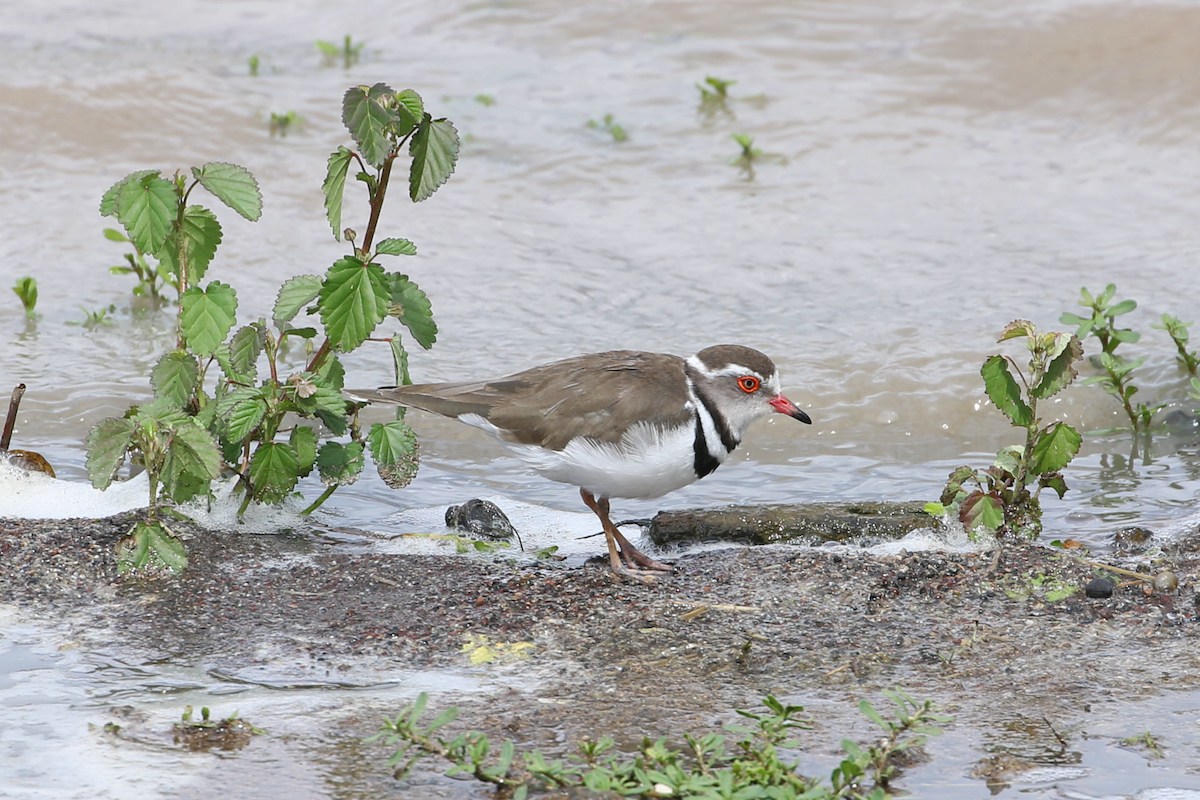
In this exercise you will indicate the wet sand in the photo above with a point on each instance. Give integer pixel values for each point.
(978, 633)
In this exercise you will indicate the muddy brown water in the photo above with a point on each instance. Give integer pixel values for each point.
(937, 169)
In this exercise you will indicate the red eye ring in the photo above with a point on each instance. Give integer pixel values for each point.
(749, 384)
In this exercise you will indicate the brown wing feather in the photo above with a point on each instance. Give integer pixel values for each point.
(598, 396)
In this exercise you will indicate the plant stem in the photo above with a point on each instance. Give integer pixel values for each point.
(317, 503)
(377, 200)
(319, 356)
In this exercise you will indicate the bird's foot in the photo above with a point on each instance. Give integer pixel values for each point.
(621, 572)
(635, 558)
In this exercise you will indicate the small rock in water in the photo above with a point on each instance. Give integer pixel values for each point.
(1132, 538)
(1099, 588)
(480, 518)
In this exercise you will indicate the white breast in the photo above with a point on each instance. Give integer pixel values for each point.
(649, 462)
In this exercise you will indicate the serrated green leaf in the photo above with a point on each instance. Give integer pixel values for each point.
(390, 442)
(1054, 481)
(107, 442)
(434, 151)
(411, 306)
(354, 299)
(1054, 449)
(980, 509)
(334, 187)
(192, 460)
(340, 464)
(174, 378)
(274, 470)
(1008, 459)
(206, 316)
(1017, 328)
(201, 233)
(245, 347)
(1003, 391)
(304, 441)
(332, 373)
(232, 185)
(236, 396)
(169, 550)
(368, 120)
(244, 415)
(396, 247)
(324, 400)
(108, 202)
(400, 362)
(409, 103)
(1060, 372)
(147, 208)
(150, 544)
(295, 294)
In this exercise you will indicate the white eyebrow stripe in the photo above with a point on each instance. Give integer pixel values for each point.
(728, 369)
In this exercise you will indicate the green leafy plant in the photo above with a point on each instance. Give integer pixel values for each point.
(610, 126)
(714, 90)
(1004, 498)
(151, 279)
(485, 100)
(206, 733)
(244, 416)
(93, 319)
(1177, 329)
(348, 53)
(253, 64)
(713, 767)
(1117, 379)
(749, 151)
(180, 457)
(26, 289)
(282, 123)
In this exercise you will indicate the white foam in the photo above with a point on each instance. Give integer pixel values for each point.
(537, 526)
(34, 495)
(947, 537)
(220, 513)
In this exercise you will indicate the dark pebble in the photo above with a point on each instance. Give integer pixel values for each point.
(1099, 588)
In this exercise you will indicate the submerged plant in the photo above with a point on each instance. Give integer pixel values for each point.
(349, 53)
(27, 291)
(750, 766)
(270, 430)
(749, 151)
(1004, 498)
(1177, 329)
(609, 125)
(1117, 379)
(282, 123)
(714, 90)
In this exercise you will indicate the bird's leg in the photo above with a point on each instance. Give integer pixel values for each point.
(613, 537)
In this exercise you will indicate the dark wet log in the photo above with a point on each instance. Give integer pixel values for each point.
(802, 523)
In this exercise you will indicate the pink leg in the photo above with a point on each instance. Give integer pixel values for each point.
(615, 540)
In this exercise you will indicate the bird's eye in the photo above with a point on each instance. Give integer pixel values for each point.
(748, 384)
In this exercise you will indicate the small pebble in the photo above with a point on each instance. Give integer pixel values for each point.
(1099, 588)
(1166, 582)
